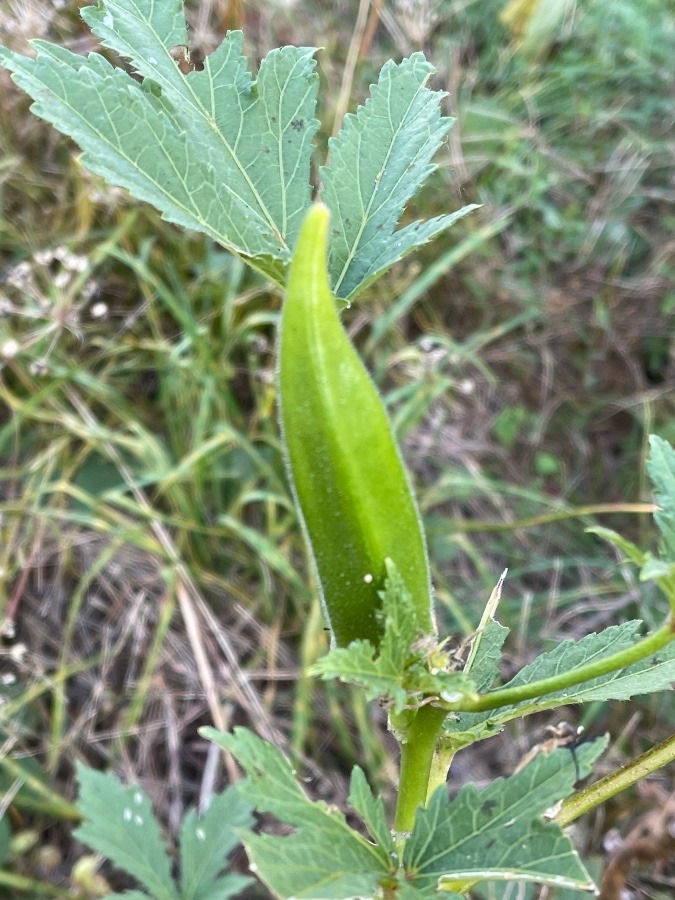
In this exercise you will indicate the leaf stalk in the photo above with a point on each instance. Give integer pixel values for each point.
(612, 784)
(507, 696)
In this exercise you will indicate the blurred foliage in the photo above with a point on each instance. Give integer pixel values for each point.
(524, 359)
(594, 114)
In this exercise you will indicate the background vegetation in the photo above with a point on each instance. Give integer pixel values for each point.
(524, 357)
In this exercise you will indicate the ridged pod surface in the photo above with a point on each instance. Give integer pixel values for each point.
(355, 500)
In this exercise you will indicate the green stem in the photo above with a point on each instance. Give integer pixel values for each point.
(507, 696)
(51, 803)
(574, 512)
(31, 886)
(615, 782)
(416, 758)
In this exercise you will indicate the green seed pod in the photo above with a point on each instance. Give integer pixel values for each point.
(351, 488)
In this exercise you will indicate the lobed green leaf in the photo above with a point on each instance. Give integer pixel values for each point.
(655, 673)
(661, 468)
(324, 859)
(205, 843)
(499, 833)
(376, 164)
(487, 657)
(221, 153)
(119, 823)
(496, 833)
(213, 150)
(371, 810)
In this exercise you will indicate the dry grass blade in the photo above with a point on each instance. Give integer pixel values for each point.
(345, 94)
(185, 587)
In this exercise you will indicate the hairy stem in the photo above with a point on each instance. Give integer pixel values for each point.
(505, 697)
(416, 757)
(615, 782)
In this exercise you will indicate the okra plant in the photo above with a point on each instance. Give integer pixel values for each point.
(222, 154)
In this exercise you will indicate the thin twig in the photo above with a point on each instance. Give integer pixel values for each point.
(13, 603)
(612, 784)
(371, 28)
(350, 66)
(573, 512)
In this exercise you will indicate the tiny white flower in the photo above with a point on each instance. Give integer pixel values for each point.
(43, 257)
(38, 367)
(9, 349)
(61, 279)
(99, 310)
(19, 275)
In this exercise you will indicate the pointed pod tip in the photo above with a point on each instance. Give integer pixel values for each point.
(317, 219)
(310, 257)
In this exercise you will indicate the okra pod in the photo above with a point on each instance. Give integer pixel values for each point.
(352, 491)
